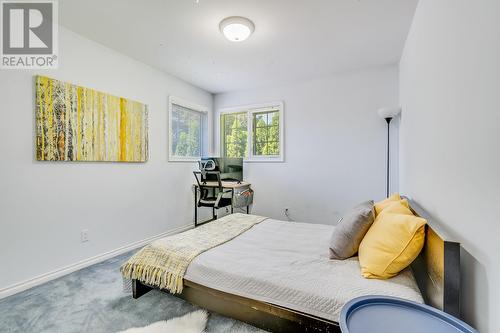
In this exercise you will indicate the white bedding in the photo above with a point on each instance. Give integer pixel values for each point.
(287, 264)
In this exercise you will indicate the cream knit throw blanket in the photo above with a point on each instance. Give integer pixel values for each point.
(164, 262)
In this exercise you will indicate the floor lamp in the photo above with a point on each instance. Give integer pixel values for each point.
(388, 114)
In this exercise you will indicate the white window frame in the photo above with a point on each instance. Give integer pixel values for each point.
(251, 110)
(204, 131)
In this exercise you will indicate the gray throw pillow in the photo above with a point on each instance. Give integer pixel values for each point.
(350, 231)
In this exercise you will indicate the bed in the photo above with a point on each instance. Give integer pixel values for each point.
(297, 288)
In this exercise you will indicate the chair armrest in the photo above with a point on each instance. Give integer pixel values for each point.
(220, 195)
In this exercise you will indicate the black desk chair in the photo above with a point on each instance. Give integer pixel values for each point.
(209, 197)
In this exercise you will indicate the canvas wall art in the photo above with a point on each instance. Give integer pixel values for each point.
(74, 123)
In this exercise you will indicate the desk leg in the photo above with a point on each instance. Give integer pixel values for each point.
(232, 201)
(195, 206)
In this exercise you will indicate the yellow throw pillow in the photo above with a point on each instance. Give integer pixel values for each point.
(391, 244)
(398, 207)
(379, 206)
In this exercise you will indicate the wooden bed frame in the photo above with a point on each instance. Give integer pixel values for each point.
(436, 270)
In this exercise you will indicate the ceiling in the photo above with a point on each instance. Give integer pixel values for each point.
(293, 39)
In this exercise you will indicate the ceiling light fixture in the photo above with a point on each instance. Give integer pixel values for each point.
(236, 28)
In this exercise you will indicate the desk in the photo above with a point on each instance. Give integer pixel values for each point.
(233, 186)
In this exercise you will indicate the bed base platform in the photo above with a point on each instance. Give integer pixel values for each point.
(436, 271)
(263, 315)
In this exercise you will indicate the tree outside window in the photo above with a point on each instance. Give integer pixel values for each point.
(186, 132)
(266, 133)
(254, 133)
(235, 134)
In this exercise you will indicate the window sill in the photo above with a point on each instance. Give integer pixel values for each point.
(184, 159)
(265, 160)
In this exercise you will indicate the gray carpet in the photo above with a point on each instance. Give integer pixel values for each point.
(92, 300)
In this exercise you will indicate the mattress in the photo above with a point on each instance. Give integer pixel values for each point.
(287, 264)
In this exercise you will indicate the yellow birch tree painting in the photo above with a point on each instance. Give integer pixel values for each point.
(74, 123)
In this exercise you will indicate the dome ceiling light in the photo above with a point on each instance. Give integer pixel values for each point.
(236, 28)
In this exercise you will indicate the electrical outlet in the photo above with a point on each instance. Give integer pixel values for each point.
(84, 235)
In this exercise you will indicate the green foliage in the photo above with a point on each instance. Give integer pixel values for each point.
(236, 135)
(182, 145)
(265, 134)
(187, 142)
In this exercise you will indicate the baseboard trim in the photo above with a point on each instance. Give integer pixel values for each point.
(38, 280)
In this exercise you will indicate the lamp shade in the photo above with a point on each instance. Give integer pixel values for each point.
(389, 112)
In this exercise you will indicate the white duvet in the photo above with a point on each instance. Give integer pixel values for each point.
(287, 264)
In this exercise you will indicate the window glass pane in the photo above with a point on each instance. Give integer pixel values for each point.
(235, 134)
(229, 120)
(273, 118)
(274, 133)
(273, 148)
(260, 119)
(261, 134)
(186, 132)
(266, 133)
(259, 148)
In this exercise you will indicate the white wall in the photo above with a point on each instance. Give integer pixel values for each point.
(44, 205)
(450, 135)
(335, 144)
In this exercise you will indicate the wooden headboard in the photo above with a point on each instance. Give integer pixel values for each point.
(437, 268)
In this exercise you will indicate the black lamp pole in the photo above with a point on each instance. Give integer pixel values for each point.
(388, 120)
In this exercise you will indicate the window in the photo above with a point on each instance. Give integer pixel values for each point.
(188, 131)
(252, 132)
